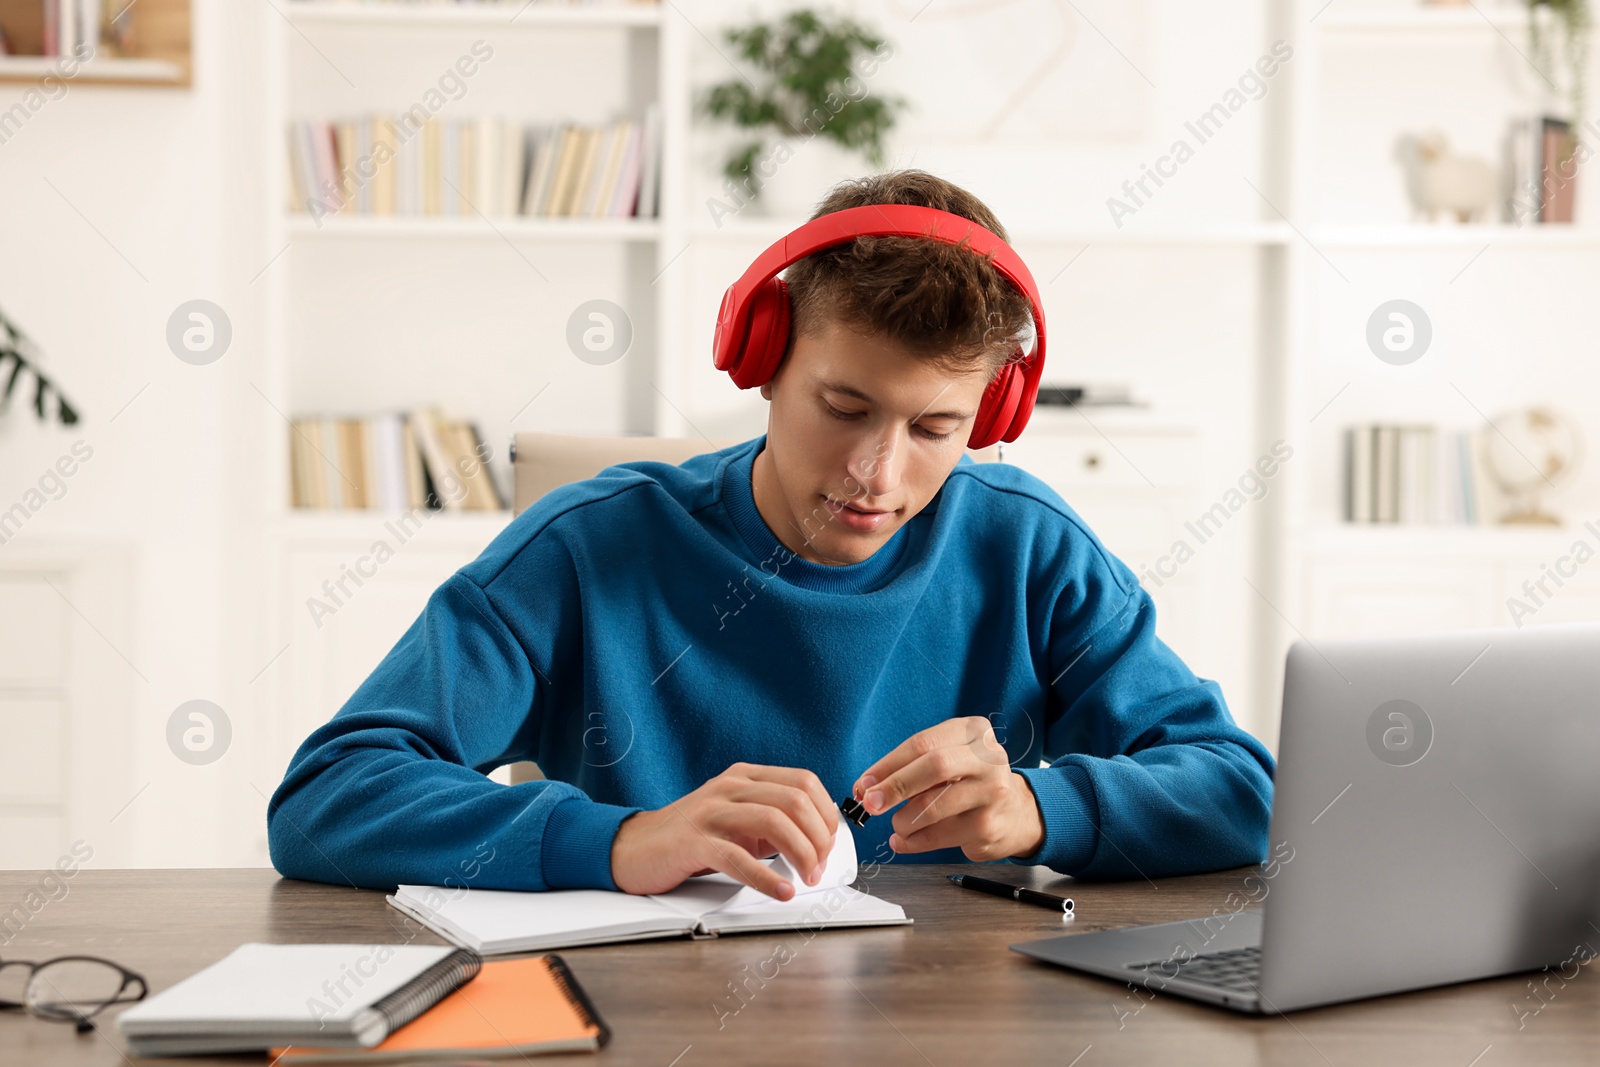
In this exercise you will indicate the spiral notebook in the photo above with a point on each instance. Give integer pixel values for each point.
(261, 995)
(497, 921)
(512, 1008)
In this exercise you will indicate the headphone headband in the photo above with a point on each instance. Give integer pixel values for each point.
(1008, 400)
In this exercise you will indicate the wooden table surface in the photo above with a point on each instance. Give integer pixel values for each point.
(944, 990)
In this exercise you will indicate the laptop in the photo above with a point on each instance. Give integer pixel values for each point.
(1436, 819)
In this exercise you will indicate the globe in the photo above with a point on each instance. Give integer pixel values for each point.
(1529, 452)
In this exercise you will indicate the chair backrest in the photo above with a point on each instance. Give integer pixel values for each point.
(545, 461)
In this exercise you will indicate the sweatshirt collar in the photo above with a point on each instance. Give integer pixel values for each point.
(776, 560)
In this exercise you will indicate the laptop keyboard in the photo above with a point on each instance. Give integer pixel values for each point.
(1234, 968)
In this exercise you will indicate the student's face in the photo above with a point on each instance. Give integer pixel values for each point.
(860, 436)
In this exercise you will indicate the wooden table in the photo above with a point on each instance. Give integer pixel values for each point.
(944, 990)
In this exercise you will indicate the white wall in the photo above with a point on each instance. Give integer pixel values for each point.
(117, 205)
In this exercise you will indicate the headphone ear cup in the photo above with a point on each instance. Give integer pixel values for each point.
(767, 336)
(1027, 396)
(997, 408)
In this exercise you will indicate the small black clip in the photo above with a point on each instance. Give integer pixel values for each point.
(853, 810)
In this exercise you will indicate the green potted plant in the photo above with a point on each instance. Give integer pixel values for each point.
(15, 346)
(1573, 18)
(809, 81)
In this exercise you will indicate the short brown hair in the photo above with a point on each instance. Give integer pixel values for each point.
(940, 300)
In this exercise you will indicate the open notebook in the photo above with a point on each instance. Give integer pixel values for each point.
(492, 921)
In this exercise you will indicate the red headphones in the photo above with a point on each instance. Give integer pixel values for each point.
(753, 322)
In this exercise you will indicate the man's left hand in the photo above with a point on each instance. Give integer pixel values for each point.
(960, 791)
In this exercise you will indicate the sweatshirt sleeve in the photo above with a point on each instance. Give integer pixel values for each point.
(1150, 775)
(393, 789)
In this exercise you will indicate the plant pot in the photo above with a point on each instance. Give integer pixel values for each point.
(797, 172)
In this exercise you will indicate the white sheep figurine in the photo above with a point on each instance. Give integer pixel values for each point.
(1438, 181)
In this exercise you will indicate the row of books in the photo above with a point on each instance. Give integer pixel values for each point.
(1542, 173)
(1415, 474)
(580, 170)
(61, 27)
(406, 165)
(394, 462)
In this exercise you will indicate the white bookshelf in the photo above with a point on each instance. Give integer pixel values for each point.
(473, 227)
(1240, 234)
(351, 298)
(1499, 17)
(1452, 542)
(1471, 235)
(366, 29)
(359, 527)
(537, 15)
(669, 264)
(1331, 578)
(127, 71)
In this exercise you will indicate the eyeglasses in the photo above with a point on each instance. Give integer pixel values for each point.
(67, 988)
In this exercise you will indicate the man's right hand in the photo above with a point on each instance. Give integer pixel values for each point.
(744, 815)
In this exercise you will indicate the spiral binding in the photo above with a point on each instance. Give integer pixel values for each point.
(428, 988)
(577, 997)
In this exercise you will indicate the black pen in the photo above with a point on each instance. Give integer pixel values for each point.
(1015, 892)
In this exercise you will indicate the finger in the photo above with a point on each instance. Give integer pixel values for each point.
(816, 813)
(800, 778)
(948, 764)
(769, 823)
(733, 861)
(760, 849)
(941, 802)
(802, 811)
(958, 831)
(949, 732)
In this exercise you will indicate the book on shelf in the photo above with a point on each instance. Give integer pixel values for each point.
(1558, 170)
(1415, 474)
(607, 171)
(55, 27)
(396, 461)
(1541, 172)
(462, 167)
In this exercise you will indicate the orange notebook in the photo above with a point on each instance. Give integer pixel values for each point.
(512, 1008)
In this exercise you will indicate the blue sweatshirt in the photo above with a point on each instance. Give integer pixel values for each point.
(637, 633)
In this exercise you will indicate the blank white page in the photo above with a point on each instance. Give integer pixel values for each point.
(496, 915)
(841, 906)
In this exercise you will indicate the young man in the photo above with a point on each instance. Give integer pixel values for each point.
(704, 659)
